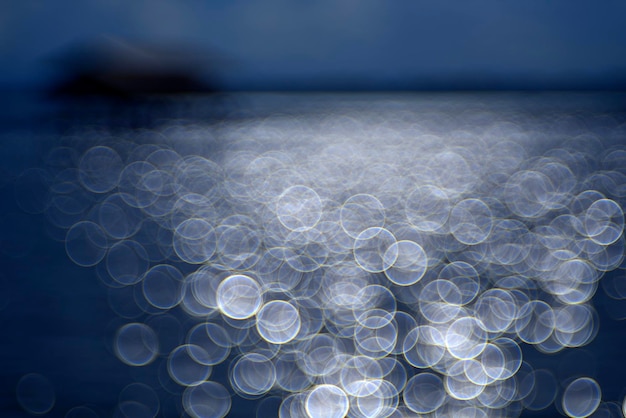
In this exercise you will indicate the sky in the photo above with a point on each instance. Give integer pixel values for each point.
(366, 43)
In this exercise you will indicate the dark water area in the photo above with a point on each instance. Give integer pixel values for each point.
(187, 256)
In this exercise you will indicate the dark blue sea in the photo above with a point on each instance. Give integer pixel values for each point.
(313, 255)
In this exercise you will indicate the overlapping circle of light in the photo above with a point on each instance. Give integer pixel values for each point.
(360, 265)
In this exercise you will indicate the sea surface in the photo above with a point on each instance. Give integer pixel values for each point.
(369, 254)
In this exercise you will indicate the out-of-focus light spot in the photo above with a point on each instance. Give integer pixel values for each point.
(337, 263)
(35, 393)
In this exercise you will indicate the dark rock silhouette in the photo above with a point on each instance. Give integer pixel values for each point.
(116, 68)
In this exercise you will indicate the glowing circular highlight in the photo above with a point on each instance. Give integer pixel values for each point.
(582, 397)
(136, 344)
(299, 208)
(327, 401)
(239, 297)
(278, 322)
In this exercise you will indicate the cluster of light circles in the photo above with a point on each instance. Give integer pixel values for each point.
(370, 270)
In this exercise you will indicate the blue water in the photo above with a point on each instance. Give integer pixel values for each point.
(60, 319)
